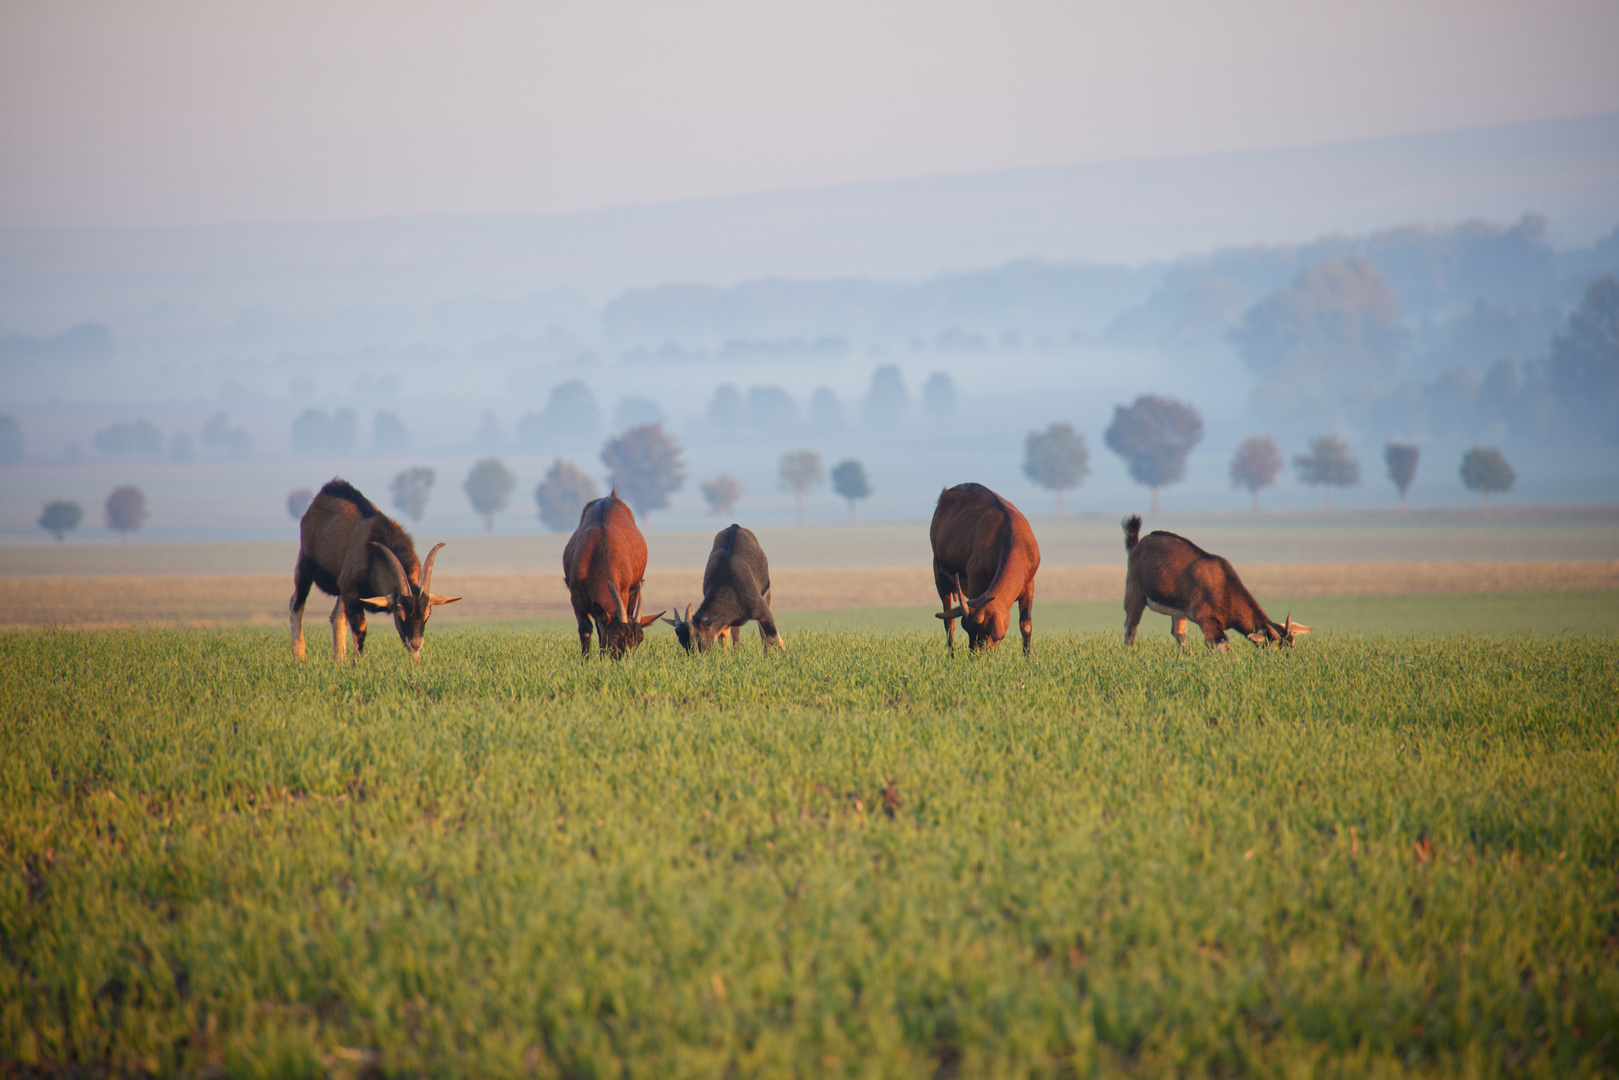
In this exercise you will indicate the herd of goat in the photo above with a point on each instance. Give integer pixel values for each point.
(984, 558)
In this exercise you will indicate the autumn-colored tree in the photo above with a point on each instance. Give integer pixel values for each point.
(126, 510)
(645, 467)
(1255, 465)
(801, 470)
(722, 492)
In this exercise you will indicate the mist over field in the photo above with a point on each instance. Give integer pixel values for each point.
(1439, 290)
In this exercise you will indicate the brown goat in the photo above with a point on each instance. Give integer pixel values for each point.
(354, 552)
(603, 565)
(984, 557)
(1175, 577)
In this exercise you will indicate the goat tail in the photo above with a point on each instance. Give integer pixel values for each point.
(1132, 531)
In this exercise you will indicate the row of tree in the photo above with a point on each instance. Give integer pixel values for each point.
(1155, 434)
(125, 511)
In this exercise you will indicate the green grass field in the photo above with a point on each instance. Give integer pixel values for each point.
(1374, 855)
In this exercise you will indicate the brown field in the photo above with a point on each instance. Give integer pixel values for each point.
(261, 599)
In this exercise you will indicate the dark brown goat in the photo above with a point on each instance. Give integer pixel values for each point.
(736, 589)
(984, 557)
(354, 552)
(602, 566)
(1175, 577)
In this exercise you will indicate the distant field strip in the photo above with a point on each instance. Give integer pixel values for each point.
(209, 600)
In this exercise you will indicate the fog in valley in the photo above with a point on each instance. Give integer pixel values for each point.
(923, 331)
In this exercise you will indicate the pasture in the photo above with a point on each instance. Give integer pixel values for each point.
(1386, 854)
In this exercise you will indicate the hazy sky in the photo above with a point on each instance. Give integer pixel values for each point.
(180, 111)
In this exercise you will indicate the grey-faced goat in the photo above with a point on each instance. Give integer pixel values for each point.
(353, 551)
(736, 590)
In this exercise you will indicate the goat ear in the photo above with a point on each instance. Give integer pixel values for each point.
(671, 622)
(437, 600)
(379, 603)
(648, 620)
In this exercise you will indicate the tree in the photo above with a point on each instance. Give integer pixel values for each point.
(1339, 320)
(11, 448)
(311, 432)
(180, 448)
(849, 480)
(939, 396)
(410, 490)
(887, 400)
(1583, 369)
(645, 467)
(726, 411)
(1484, 470)
(1401, 459)
(389, 433)
(1056, 459)
(139, 439)
(298, 501)
(1256, 464)
(126, 510)
(489, 487)
(571, 413)
(562, 494)
(722, 492)
(826, 411)
(1154, 435)
(235, 442)
(800, 470)
(1329, 464)
(60, 518)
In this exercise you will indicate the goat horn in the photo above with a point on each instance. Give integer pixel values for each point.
(618, 601)
(404, 580)
(427, 568)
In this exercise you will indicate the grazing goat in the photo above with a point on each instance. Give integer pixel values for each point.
(736, 589)
(602, 566)
(1175, 577)
(360, 555)
(984, 557)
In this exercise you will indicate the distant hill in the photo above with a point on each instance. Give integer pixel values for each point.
(1126, 212)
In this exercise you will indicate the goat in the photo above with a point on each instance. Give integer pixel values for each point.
(354, 552)
(736, 589)
(603, 565)
(984, 557)
(1175, 577)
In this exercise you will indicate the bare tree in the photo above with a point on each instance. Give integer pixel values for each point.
(1153, 435)
(126, 510)
(298, 501)
(410, 490)
(722, 492)
(61, 517)
(1328, 464)
(801, 470)
(562, 495)
(1056, 459)
(489, 486)
(1256, 464)
(1401, 459)
(1484, 470)
(645, 467)
(849, 480)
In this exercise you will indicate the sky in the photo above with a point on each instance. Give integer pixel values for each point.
(182, 112)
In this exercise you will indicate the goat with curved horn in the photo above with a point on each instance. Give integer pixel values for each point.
(603, 565)
(339, 538)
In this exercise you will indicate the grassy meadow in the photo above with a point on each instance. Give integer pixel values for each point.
(1379, 854)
